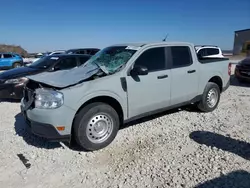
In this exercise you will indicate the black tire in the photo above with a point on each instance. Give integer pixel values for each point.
(15, 65)
(81, 125)
(203, 105)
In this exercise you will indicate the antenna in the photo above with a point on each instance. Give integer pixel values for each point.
(165, 38)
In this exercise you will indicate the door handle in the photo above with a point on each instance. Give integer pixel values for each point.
(191, 71)
(162, 76)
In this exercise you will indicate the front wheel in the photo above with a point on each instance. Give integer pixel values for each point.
(96, 126)
(210, 98)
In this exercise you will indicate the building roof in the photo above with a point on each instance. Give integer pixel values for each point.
(242, 30)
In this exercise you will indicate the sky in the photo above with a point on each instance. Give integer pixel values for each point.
(49, 25)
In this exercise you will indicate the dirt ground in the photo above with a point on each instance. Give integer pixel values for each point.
(179, 148)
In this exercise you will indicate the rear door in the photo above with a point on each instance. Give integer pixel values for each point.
(184, 75)
(7, 60)
(152, 91)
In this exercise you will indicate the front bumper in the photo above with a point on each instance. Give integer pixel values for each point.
(44, 122)
(11, 91)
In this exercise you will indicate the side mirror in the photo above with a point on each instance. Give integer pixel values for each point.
(139, 70)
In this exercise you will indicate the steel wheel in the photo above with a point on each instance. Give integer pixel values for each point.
(212, 98)
(99, 128)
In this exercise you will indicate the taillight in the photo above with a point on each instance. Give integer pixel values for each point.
(229, 68)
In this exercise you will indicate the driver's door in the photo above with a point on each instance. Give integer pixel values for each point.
(149, 92)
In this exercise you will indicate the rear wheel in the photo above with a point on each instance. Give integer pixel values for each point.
(210, 98)
(15, 65)
(96, 126)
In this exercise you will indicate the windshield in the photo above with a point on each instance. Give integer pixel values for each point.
(111, 59)
(44, 62)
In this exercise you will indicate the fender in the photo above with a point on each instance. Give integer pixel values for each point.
(103, 93)
(204, 81)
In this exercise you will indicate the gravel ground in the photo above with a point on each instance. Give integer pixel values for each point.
(181, 148)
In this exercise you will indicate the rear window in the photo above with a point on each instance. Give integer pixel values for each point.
(181, 56)
(212, 51)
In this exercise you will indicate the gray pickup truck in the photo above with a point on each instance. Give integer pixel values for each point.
(119, 84)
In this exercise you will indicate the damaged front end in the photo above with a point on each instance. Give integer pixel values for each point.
(44, 96)
(38, 95)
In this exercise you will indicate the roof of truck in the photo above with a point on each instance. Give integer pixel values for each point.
(140, 44)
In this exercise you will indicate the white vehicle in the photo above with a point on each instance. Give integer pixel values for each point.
(208, 51)
(57, 52)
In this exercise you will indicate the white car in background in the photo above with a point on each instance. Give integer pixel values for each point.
(208, 51)
(57, 52)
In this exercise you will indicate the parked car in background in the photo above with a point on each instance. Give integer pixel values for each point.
(89, 51)
(10, 60)
(56, 52)
(13, 81)
(209, 51)
(29, 61)
(120, 84)
(242, 70)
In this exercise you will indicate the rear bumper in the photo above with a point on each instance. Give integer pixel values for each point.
(243, 78)
(240, 76)
(11, 91)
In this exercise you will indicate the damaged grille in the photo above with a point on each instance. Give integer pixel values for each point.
(29, 93)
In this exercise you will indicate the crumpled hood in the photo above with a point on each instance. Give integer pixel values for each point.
(65, 78)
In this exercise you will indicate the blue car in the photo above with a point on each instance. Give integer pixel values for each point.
(10, 60)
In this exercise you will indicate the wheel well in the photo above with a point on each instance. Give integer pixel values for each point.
(16, 62)
(108, 100)
(217, 80)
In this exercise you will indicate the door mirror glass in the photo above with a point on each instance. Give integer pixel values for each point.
(139, 70)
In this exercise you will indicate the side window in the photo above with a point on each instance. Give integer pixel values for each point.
(181, 56)
(212, 51)
(7, 56)
(153, 59)
(83, 60)
(202, 52)
(82, 52)
(89, 52)
(94, 52)
(66, 63)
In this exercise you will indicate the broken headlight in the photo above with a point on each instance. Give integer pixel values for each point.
(48, 99)
(20, 81)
